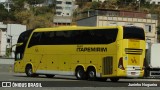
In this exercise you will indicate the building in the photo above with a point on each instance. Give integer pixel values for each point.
(3, 1)
(103, 17)
(64, 11)
(9, 34)
(3, 39)
(153, 1)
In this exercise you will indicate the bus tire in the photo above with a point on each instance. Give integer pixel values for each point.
(91, 74)
(50, 76)
(29, 71)
(80, 73)
(114, 79)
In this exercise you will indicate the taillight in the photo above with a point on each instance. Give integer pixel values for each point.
(120, 64)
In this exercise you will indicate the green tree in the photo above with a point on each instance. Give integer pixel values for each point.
(95, 5)
(42, 10)
(23, 16)
(3, 13)
(18, 5)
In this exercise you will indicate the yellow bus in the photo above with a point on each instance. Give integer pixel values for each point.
(87, 52)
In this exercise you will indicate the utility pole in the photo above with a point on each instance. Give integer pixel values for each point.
(10, 46)
(139, 4)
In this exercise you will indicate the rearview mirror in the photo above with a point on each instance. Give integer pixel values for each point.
(19, 44)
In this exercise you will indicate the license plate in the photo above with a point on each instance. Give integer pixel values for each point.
(133, 73)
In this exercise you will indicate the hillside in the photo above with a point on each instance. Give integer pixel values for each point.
(27, 11)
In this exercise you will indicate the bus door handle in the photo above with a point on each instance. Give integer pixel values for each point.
(64, 62)
(40, 62)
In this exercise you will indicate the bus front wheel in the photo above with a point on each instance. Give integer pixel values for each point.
(80, 73)
(29, 71)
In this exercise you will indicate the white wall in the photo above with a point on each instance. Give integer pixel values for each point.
(3, 43)
(2, 39)
(3, 1)
(13, 32)
(154, 1)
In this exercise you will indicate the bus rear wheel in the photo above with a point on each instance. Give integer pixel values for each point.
(114, 79)
(80, 73)
(91, 74)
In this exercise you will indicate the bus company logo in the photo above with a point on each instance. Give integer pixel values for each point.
(134, 60)
(91, 49)
(6, 84)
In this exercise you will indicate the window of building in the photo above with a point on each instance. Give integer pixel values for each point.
(69, 3)
(113, 24)
(58, 2)
(148, 28)
(58, 13)
(67, 13)
(59, 7)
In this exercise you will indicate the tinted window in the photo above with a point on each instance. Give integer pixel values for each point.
(35, 39)
(133, 33)
(23, 38)
(101, 36)
(59, 7)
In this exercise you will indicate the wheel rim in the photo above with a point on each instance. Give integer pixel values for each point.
(79, 74)
(29, 71)
(91, 74)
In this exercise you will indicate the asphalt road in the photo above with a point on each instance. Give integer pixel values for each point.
(70, 82)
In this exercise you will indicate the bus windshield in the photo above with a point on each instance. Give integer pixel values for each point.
(23, 38)
(133, 33)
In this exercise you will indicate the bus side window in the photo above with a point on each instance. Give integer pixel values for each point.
(35, 39)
